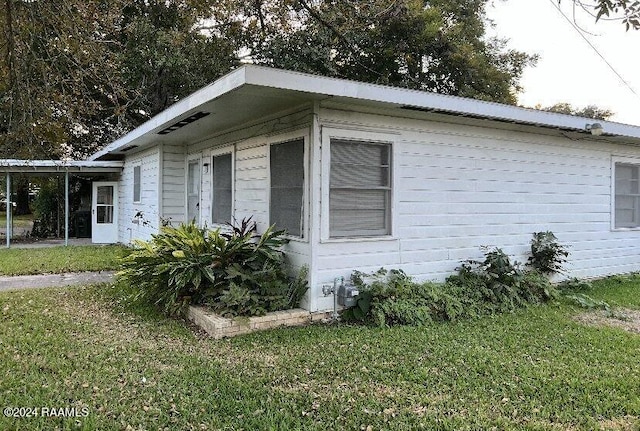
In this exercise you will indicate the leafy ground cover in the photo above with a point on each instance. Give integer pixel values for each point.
(536, 368)
(19, 261)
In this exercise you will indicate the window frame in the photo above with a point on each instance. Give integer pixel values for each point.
(626, 161)
(282, 139)
(193, 159)
(357, 135)
(217, 153)
(137, 187)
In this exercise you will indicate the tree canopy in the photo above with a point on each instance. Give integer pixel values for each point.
(626, 11)
(589, 111)
(76, 74)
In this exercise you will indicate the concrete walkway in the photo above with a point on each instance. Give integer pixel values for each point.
(54, 280)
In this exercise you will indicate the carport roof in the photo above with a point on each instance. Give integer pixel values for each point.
(11, 166)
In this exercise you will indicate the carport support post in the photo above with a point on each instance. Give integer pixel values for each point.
(66, 208)
(8, 209)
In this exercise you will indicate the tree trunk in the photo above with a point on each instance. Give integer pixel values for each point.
(22, 196)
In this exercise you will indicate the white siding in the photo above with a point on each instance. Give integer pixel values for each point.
(130, 227)
(173, 184)
(457, 188)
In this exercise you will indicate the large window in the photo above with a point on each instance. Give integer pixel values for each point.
(221, 205)
(627, 199)
(287, 186)
(136, 183)
(359, 189)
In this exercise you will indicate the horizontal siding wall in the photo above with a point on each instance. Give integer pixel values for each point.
(173, 184)
(249, 147)
(130, 227)
(458, 188)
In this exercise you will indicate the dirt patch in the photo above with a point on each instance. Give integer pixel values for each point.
(622, 318)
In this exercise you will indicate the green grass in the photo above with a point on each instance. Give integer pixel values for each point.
(22, 221)
(19, 261)
(536, 369)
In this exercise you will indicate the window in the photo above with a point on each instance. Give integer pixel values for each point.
(193, 191)
(221, 205)
(359, 189)
(287, 186)
(136, 184)
(627, 199)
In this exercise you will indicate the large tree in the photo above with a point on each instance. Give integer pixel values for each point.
(75, 74)
(436, 45)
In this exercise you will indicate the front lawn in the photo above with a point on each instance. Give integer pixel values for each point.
(22, 261)
(132, 369)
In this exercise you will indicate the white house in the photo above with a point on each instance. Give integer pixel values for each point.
(364, 176)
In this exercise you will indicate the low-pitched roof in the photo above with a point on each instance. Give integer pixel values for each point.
(251, 92)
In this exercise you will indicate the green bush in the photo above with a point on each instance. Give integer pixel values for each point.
(547, 255)
(237, 272)
(493, 285)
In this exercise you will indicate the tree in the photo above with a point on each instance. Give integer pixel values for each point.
(590, 111)
(436, 45)
(626, 11)
(77, 74)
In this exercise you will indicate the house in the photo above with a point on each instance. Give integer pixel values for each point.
(363, 176)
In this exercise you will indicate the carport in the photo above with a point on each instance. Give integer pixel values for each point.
(54, 167)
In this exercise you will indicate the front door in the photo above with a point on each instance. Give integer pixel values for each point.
(104, 213)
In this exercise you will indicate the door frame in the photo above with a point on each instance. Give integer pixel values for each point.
(112, 234)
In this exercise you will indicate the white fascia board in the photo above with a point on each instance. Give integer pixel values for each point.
(279, 79)
(336, 87)
(15, 165)
(212, 91)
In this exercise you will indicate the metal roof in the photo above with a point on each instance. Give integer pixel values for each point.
(59, 166)
(251, 92)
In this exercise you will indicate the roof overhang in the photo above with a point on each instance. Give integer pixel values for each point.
(253, 92)
(9, 166)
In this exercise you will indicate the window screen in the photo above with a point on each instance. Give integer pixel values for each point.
(136, 183)
(627, 199)
(222, 189)
(360, 189)
(287, 186)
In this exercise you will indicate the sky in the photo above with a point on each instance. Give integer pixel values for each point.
(568, 69)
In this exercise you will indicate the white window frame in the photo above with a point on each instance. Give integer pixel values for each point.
(216, 153)
(137, 187)
(362, 135)
(281, 139)
(620, 160)
(193, 158)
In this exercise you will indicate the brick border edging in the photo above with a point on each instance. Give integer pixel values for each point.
(219, 327)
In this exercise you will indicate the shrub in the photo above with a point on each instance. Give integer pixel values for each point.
(547, 255)
(492, 285)
(237, 272)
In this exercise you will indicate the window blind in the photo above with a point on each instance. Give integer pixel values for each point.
(360, 189)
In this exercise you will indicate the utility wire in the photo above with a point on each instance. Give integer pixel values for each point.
(575, 27)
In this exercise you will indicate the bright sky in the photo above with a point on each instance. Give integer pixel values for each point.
(569, 70)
